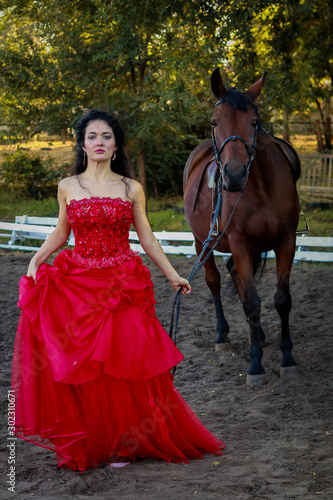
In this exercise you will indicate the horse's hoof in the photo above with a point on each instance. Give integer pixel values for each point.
(290, 371)
(260, 379)
(223, 346)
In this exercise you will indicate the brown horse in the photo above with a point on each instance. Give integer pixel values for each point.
(257, 174)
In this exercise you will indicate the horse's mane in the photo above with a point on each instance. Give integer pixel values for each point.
(238, 100)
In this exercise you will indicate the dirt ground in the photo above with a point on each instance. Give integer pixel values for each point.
(278, 437)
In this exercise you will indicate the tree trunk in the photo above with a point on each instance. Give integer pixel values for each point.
(320, 111)
(327, 125)
(142, 169)
(318, 127)
(286, 135)
(157, 196)
(320, 143)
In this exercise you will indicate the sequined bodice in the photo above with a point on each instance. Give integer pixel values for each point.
(101, 228)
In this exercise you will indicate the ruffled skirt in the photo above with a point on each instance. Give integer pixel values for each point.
(91, 369)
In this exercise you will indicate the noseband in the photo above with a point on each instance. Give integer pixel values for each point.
(250, 151)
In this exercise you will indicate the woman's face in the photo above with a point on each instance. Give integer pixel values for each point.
(99, 141)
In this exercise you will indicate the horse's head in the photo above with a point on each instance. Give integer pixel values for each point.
(235, 124)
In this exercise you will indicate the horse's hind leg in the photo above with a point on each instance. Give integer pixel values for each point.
(283, 302)
(214, 284)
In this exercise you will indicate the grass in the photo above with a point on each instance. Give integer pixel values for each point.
(320, 221)
(167, 220)
(11, 206)
(304, 144)
(60, 151)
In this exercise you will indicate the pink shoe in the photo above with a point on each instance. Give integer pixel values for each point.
(119, 464)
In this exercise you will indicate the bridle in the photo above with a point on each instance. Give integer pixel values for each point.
(250, 151)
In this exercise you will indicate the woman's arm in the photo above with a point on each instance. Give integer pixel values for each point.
(148, 241)
(56, 239)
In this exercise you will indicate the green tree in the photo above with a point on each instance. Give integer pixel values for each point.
(133, 57)
(292, 41)
(150, 62)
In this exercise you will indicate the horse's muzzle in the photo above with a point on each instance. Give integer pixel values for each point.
(232, 181)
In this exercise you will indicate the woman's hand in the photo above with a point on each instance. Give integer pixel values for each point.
(32, 269)
(181, 283)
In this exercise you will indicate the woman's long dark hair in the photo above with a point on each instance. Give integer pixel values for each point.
(121, 164)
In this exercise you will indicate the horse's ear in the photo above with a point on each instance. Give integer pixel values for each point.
(217, 85)
(255, 89)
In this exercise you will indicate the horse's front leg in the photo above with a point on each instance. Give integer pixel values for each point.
(214, 284)
(252, 308)
(235, 278)
(282, 301)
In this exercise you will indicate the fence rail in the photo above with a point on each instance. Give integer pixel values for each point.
(316, 172)
(308, 248)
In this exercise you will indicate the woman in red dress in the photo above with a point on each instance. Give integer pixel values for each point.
(91, 367)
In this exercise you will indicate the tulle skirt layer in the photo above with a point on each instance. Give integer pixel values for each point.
(91, 369)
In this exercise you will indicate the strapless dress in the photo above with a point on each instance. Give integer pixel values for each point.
(91, 367)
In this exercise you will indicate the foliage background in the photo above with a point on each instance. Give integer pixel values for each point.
(150, 62)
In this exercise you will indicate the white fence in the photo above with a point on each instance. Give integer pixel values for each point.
(308, 248)
(317, 173)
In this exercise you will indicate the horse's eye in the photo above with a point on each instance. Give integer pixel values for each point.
(213, 123)
(254, 123)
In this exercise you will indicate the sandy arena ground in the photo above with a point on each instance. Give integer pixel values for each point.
(278, 437)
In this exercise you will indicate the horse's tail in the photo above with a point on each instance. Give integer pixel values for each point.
(259, 264)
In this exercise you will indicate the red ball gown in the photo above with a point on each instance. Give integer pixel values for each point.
(91, 367)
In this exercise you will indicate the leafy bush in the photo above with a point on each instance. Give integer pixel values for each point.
(8, 137)
(30, 175)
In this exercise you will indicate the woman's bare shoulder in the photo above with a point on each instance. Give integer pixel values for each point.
(67, 186)
(67, 182)
(135, 187)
